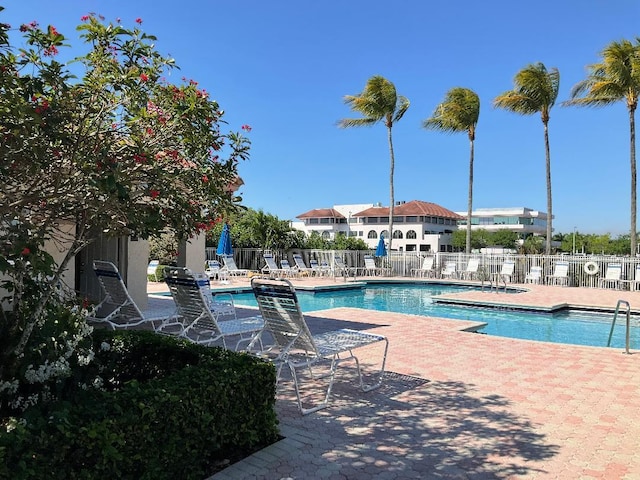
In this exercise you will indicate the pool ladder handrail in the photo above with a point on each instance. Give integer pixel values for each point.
(613, 324)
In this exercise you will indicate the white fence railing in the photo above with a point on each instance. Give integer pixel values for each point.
(403, 262)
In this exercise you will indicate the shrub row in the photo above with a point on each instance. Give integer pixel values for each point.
(167, 409)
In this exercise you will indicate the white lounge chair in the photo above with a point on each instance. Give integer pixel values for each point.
(612, 277)
(117, 309)
(471, 271)
(296, 347)
(287, 269)
(341, 269)
(302, 268)
(231, 267)
(319, 269)
(425, 270)
(271, 268)
(560, 275)
(370, 268)
(534, 275)
(202, 316)
(449, 270)
(215, 271)
(152, 269)
(504, 275)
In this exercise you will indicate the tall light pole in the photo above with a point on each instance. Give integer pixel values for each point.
(574, 240)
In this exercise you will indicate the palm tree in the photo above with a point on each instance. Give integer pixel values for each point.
(459, 112)
(615, 79)
(378, 102)
(536, 90)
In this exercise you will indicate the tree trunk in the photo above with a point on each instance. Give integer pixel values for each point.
(549, 201)
(391, 193)
(632, 142)
(470, 200)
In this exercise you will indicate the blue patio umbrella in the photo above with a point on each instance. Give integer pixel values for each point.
(224, 244)
(381, 250)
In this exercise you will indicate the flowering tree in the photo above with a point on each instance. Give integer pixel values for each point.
(115, 151)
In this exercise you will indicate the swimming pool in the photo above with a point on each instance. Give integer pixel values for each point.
(573, 327)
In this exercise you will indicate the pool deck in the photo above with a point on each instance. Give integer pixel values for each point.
(460, 405)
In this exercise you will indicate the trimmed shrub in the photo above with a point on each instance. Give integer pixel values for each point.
(167, 409)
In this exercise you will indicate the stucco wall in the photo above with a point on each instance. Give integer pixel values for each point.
(137, 261)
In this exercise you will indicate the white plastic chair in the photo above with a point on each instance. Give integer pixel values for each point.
(560, 275)
(534, 275)
(152, 269)
(612, 277)
(425, 270)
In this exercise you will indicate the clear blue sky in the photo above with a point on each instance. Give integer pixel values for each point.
(283, 67)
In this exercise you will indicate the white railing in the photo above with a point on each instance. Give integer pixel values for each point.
(402, 262)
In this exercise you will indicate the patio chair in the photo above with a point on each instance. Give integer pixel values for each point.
(202, 316)
(612, 277)
(370, 268)
(295, 346)
(504, 275)
(449, 270)
(152, 269)
(319, 269)
(560, 275)
(117, 309)
(302, 268)
(633, 283)
(471, 271)
(287, 269)
(425, 270)
(231, 268)
(534, 275)
(215, 271)
(341, 269)
(271, 267)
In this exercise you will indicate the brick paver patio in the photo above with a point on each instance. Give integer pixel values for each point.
(460, 405)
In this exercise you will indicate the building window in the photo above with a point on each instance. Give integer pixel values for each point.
(397, 234)
(326, 235)
(385, 233)
(353, 234)
(372, 219)
(384, 219)
(313, 220)
(372, 234)
(398, 219)
(412, 220)
(411, 235)
(324, 220)
(411, 248)
(441, 220)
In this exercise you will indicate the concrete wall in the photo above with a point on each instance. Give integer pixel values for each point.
(191, 254)
(137, 261)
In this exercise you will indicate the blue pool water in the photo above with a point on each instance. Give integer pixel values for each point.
(574, 327)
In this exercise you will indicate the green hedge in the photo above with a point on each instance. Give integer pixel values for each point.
(169, 409)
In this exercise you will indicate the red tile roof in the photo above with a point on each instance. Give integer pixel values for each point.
(321, 213)
(413, 208)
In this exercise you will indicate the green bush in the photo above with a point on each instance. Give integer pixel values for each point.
(166, 409)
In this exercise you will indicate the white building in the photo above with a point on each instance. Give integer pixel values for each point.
(522, 220)
(417, 226)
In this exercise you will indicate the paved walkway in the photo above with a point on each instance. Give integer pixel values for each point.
(460, 405)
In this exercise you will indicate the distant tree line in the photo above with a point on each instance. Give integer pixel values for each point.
(588, 243)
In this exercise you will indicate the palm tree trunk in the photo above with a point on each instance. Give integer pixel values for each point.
(549, 201)
(470, 200)
(632, 135)
(391, 193)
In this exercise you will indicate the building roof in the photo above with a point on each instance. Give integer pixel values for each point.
(321, 213)
(412, 208)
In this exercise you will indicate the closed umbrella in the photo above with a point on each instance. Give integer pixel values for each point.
(381, 250)
(224, 244)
